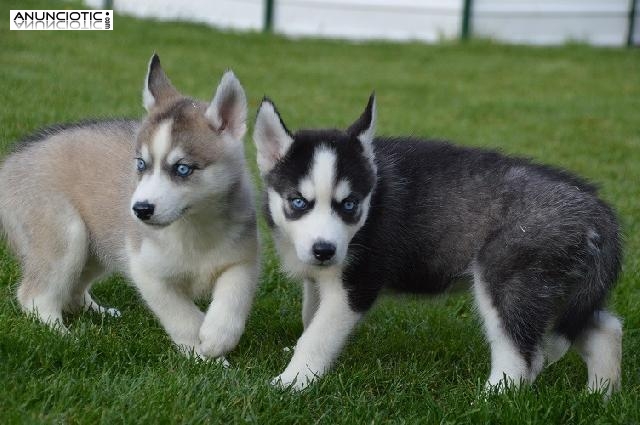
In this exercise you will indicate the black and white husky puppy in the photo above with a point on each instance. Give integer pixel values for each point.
(353, 214)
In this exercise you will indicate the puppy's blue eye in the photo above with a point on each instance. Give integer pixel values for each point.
(298, 203)
(183, 170)
(349, 205)
(140, 164)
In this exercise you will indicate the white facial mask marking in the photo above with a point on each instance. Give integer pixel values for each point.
(144, 153)
(161, 143)
(343, 189)
(323, 176)
(175, 155)
(321, 223)
(306, 189)
(156, 187)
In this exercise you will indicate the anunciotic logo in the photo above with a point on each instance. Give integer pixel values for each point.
(61, 20)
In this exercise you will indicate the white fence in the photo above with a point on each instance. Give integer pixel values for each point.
(428, 20)
(599, 22)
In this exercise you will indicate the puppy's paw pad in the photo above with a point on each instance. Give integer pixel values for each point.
(113, 312)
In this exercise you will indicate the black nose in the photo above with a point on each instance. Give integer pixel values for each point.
(143, 210)
(323, 251)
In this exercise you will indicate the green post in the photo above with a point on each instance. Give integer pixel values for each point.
(268, 15)
(466, 20)
(632, 22)
(108, 4)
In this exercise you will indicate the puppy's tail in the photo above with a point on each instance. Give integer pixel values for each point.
(602, 262)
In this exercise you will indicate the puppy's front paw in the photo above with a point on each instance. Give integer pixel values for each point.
(294, 380)
(217, 341)
(198, 356)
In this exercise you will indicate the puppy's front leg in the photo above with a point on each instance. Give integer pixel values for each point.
(310, 301)
(323, 338)
(225, 320)
(177, 313)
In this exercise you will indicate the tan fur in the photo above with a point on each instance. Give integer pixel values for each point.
(47, 182)
(190, 130)
(66, 208)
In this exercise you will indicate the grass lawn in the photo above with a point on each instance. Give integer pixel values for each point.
(411, 360)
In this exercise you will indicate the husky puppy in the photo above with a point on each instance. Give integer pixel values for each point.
(166, 201)
(353, 214)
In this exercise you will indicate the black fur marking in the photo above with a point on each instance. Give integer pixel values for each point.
(364, 122)
(295, 165)
(348, 217)
(438, 209)
(154, 67)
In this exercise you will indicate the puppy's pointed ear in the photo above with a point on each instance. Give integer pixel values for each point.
(271, 136)
(364, 128)
(228, 109)
(157, 86)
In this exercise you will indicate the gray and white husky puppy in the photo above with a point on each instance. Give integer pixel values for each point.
(167, 201)
(353, 214)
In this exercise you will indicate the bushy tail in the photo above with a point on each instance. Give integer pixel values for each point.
(602, 261)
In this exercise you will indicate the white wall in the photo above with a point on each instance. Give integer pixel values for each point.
(428, 20)
(600, 22)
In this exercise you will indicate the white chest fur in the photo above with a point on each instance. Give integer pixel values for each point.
(172, 266)
(186, 257)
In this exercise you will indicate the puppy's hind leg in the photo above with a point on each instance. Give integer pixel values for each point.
(82, 299)
(555, 347)
(600, 346)
(89, 304)
(514, 336)
(52, 262)
(39, 299)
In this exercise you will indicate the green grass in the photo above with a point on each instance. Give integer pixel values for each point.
(411, 360)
